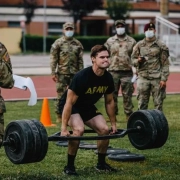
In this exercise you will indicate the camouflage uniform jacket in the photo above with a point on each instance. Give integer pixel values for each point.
(6, 78)
(66, 56)
(120, 50)
(4, 55)
(156, 54)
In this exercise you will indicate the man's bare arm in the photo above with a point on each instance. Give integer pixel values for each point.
(70, 101)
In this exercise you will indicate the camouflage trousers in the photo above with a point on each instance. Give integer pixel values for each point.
(146, 88)
(123, 80)
(63, 82)
(2, 111)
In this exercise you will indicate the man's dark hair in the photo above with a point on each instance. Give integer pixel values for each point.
(98, 48)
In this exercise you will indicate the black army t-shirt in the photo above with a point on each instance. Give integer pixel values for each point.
(89, 87)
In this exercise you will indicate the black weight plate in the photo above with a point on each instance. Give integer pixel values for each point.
(37, 141)
(159, 125)
(44, 140)
(115, 151)
(89, 146)
(146, 136)
(65, 143)
(126, 157)
(21, 148)
(162, 128)
(62, 143)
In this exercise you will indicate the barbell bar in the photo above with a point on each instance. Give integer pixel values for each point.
(118, 134)
(26, 141)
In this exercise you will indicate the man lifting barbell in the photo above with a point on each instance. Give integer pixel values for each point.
(77, 107)
(26, 141)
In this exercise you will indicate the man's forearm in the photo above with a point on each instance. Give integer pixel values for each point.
(65, 117)
(110, 109)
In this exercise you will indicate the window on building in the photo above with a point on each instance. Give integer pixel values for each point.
(55, 29)
(13, 24)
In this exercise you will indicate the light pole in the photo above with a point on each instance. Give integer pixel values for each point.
(22, 24)
(44, 29)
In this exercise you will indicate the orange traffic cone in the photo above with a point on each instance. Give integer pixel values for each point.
(45, 114)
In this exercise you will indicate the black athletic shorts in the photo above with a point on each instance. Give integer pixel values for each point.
(85, 113)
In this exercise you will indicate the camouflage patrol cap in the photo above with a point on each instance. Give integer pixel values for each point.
(149, 25)
(68, 24)
(120, 22)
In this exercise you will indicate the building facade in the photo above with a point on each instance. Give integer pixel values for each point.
(49, 17)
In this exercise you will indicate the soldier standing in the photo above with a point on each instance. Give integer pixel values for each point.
(120, 47)
(6, 81)
(150, 57)
(66, 56)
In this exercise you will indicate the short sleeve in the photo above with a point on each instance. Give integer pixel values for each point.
(77, 84)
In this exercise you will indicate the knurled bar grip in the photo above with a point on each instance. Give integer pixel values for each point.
(120, 133)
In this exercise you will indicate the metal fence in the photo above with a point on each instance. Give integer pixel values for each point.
(168, 32)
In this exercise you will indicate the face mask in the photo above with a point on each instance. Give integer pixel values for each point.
(69, 33)
(120, 31)
(149, 34)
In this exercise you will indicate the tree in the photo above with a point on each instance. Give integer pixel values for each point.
(29, 7)
(118, 9)
(80, 8)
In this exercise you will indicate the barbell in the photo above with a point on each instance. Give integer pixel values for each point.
(26, 141)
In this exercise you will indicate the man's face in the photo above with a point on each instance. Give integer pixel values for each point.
(101, 60)
(151, 29)
(69, 29)
(69, 32)
(119, 26)
(120, 29)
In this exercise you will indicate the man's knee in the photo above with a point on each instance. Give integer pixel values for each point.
(104, 130)
(78, 131)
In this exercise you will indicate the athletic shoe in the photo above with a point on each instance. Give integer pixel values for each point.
(70, 170)
(105, 167)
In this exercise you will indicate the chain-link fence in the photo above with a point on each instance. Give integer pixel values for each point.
(168, 32)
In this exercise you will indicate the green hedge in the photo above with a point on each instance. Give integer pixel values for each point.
(35, 43)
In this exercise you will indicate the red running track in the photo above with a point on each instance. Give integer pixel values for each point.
(45, 88)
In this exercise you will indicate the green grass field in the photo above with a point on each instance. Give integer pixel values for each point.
(162, 163)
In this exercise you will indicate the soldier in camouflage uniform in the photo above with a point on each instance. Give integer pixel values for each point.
(2, 111)
(120, 47)
(150, 57)
(5, 82)
(66, 56)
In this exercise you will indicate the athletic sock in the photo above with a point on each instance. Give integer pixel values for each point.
(71, 159)
(101, 158)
